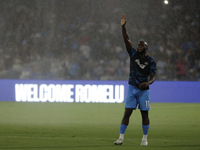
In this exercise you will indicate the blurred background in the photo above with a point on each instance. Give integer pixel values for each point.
(81, 39)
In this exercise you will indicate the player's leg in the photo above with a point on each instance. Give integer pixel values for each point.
(144, 106)
(126, 117)
(130, 104)
(125, 121)
(145, 127)
(123, 126)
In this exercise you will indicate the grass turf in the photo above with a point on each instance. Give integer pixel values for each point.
(81, 126)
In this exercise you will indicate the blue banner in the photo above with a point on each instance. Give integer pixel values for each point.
(175, 92)
(94, 91)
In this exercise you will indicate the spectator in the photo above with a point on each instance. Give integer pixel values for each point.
(180, 69)
(41, 40)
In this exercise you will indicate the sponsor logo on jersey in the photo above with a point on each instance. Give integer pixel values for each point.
(142, 66)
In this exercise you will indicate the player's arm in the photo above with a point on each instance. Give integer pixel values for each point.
(146, 84)
(151, 79)
(124, 33)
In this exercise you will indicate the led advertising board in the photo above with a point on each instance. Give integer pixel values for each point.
(94, 91)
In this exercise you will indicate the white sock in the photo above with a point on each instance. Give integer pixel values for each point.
(121, 136)
(144, 137)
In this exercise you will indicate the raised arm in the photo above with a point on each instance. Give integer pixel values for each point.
(124, 33)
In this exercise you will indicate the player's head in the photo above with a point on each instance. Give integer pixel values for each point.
(142, 47)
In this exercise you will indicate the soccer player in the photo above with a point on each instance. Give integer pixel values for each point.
(142, 74)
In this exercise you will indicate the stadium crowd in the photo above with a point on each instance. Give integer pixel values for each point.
(50, 40)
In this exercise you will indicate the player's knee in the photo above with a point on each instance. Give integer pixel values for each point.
(127, 116)
(145, 121)
(128, 112)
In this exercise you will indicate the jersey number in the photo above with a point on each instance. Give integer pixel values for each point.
(147, 104)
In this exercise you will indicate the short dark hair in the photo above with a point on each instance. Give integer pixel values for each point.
(145, 43)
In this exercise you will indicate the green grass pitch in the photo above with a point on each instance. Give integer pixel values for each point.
(81, 126)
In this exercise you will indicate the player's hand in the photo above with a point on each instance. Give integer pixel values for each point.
(143, 85)
(123, 20)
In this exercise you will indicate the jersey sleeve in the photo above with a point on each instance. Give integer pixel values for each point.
(132, 52)
(152, 66)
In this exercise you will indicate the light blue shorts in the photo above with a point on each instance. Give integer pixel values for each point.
(136, 97)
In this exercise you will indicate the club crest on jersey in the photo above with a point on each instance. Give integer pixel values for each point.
(141, 65)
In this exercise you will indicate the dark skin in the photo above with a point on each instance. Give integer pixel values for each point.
(141, 48)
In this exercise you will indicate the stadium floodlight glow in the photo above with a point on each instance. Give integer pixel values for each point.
(166, 2)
